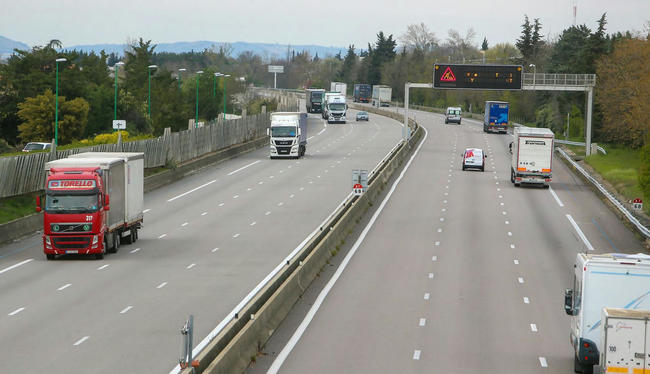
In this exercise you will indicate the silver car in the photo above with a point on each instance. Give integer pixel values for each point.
(363, 116)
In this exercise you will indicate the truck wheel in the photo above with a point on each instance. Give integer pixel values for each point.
(100, 256)
(49, 256)
(134, 235)
(578, 367)
(512, 176)
(116, 243)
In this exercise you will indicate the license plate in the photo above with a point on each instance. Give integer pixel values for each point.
(72, 252)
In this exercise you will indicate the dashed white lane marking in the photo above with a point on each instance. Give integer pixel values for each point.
(302, 188)
(103, 267)
(509, 233)
(242, 168)
(260, 182)
(163, 284)
(280, 203)
(64, 287)
(502, 204)
(126, 309)
(427, 296)
(235, 197)
(507, 222)
(162, 236)
(81, 340)
(439, 230)
(271, 177)
(437, 243)
(526, 300)
(190, 191)
(520, 280)
(190, 266)
(146, 211)
(249, 189)
(445, 201)
(16, 265)
(253, 223)
(434, 258)
(16, 311)
(542, 361)
(204, 213)
(235, 236)
(441, 219)
(498, 189)
(423, 321)
(267, 213)
(443, 210)
(215, 249)
(291, 196)
(184, 224)
(580, 233)
(504, 213)
(416, 354)
(500, 196)
(516, 262)
(512, 246)
(222, 204)
(533, 327)
(430, 275)
(135, 250)
(446, 193)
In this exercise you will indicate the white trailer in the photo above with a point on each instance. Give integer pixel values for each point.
(626, 341)
(602, 281)
(381, 95)
(288, 134)
(339, 87)
(532, 156)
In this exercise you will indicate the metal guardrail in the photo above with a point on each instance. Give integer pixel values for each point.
(630, 217)
(291, 260)
(582, 144)
(567, 80)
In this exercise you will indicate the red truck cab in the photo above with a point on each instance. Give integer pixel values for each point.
(74, 212)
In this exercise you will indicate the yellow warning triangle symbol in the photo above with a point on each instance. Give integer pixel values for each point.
(448, 76)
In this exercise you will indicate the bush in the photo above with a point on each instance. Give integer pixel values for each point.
(644, 170)
(110, 138)
(5, 147)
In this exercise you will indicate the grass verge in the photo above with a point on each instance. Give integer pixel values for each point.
(15, 207)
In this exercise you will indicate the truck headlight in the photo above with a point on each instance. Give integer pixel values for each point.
(95, 239)
(47, 240)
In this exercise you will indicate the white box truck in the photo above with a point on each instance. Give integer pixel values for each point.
(339, 87)
(626, 341)
(288, 134)
(532, 156)
(336, 108)
(381, 95)
(602, 281)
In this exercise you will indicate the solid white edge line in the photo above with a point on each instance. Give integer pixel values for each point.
(282, 356)
(16, 265)
(580, 233)
(557, 199)
(242, 168)
(190, 191)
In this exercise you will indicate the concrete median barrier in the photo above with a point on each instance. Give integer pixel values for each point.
(236, 345)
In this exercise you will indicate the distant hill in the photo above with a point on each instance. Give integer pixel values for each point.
(261, 49)
(7, 46)
(267, 50)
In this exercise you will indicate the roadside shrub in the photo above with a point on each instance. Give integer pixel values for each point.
(110, 138)
(644, 170)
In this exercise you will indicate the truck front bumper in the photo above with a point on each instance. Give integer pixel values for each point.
(288, 151)
(72, 244)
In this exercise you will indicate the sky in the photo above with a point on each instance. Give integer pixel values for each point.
(334, 23)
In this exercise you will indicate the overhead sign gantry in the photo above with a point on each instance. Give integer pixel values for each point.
(478, 77)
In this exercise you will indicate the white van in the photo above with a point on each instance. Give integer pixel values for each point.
(453, 115)
(474, 158)
(602, 281)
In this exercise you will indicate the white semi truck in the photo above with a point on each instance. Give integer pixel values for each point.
(532, 156)
(339, 87)
(626, 341)
(288, 134)
(602, 281)
(381, 95)
(336, 108)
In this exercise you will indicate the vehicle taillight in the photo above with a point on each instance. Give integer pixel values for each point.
(586, 345)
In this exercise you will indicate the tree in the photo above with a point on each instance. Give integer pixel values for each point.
(623, 92)
(484, 45)
(566, 54)
(524, 43)
(644, 170)
(461, 47)
(348, 68)
(37, 114)
(418, 36)
(595, 47)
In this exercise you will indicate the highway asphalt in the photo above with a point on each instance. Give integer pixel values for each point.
(207, 241)
(460, 272)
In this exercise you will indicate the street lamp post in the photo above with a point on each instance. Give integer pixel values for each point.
(534, 72)
(179, 77)
(196, 116)
(149, 80)
(224, 96)
(117, 65)
(56, 102)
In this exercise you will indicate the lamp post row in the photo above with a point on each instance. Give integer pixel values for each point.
(149, 68)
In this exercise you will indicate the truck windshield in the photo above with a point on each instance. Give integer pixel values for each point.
(71, 203)
(316, 96)
(283, 131)
(337, 106)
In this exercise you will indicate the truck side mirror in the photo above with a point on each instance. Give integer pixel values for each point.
(107, 202)
(568, 301)
(38, 204)
(268, 132)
